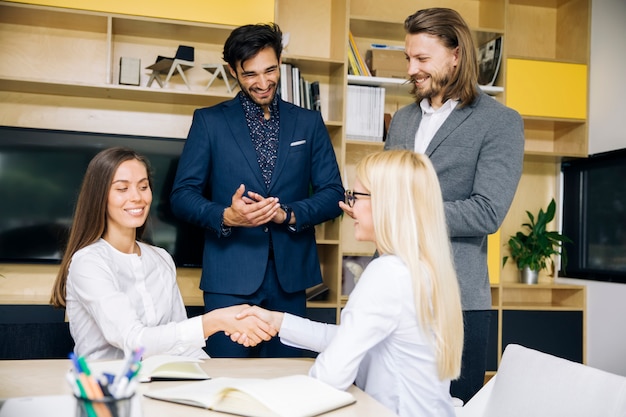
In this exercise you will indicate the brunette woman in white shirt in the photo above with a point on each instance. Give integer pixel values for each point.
(120, 293)
(401, 332)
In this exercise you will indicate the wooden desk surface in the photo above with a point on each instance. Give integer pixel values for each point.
(20, 378)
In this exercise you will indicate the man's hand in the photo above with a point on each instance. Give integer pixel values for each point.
(273, 318)
(250, 210)
(280, 215)
(248, 331)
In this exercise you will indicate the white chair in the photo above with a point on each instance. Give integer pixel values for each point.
(182, 61)
(219, 71)
(530, 383)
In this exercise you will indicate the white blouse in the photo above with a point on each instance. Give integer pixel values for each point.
(378, 345)
(118, 301)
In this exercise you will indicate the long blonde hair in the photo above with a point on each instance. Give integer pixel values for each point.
(409, 222)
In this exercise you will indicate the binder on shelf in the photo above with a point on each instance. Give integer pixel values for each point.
(365, 113)
(129, 70)
(315, 96)
(489, 58)
(353, 68)
(360, 62)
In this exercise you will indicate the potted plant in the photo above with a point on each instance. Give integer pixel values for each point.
(533, 251)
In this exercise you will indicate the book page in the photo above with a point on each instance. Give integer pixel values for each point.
(291, 396)
(156, 367)
(171, 367)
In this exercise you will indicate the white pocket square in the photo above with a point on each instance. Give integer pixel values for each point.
(298, 143)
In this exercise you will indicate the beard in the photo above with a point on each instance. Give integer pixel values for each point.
(265, 101)
(437, 85)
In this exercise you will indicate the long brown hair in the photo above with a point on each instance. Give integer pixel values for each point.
(90, 220)
(452, 31)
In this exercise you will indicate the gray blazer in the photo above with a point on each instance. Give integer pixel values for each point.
(478, 155)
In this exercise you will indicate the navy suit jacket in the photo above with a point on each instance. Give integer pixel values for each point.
(219, 156)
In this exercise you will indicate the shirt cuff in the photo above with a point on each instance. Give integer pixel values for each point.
(191, 332)
(225, 231)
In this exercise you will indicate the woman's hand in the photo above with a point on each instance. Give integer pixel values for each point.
(248, 330)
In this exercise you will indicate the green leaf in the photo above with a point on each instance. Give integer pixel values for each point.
(536, 248)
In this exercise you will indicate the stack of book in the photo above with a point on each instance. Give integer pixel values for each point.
(365, 113)
(297, 90)
(356, 63)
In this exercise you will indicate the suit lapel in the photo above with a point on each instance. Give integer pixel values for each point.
(287, 128)
(236, 120)
(409, 134)
(449, 125)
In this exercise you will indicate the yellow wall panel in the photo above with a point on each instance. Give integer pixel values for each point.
(234, 13)
(494, 260)
(547, 89)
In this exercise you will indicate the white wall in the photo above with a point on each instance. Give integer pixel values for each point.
(606, 337)
(607, 76)
(606, 302)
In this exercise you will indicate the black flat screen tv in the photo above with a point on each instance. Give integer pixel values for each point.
(594, 216)
(40, 176)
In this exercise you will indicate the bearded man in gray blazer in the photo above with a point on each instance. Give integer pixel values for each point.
(477, 147)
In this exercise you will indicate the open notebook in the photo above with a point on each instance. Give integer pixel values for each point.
(158, 367)
(290, 396)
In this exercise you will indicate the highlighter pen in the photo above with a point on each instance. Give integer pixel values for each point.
(81, 388)
(132, 358)
(125, 384)
(93, 389)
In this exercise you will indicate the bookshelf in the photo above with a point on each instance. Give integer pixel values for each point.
(60, 70)
(551, 134)
(73, 86)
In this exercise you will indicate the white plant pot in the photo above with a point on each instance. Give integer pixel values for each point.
(529, 276)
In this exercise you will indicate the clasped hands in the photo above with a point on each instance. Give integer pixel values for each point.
(250, 209)
(252, 325)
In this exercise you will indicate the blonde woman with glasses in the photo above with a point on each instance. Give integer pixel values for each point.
(401, 332)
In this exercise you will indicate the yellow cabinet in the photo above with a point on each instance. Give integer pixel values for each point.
(547, 89)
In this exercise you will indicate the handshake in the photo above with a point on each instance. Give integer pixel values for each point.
(244, 324)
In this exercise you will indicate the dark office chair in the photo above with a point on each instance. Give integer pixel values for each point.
(180, 63)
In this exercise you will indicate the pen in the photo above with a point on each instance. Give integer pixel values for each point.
(123, 389)
(132, 358)
(72, 381)
(93, 389)
(81, 388)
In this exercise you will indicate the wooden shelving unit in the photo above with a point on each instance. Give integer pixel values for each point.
(58, 70)
(524, 25)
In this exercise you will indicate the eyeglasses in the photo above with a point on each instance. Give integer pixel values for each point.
(351, 197)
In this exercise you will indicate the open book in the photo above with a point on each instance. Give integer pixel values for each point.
(290, 396)
(158, 367)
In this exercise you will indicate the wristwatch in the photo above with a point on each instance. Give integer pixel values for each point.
(288, 212)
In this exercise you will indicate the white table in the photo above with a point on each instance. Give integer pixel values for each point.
(21, 378)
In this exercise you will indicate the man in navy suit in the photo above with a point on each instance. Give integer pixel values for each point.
(257, 173)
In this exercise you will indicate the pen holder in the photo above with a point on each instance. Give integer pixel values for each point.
(104, 407)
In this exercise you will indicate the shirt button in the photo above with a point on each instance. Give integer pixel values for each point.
(266, 229)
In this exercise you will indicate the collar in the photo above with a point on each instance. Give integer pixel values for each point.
(448, 106)
(253, 109)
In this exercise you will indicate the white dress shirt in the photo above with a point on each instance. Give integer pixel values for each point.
(118, 301)
(431, 122)
(379, 344)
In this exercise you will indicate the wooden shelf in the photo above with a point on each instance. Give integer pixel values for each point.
(558, 297)
(395, 82)
(152, 94)
(75, 54)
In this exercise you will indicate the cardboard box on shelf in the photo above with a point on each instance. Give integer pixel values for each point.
(386, 63)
